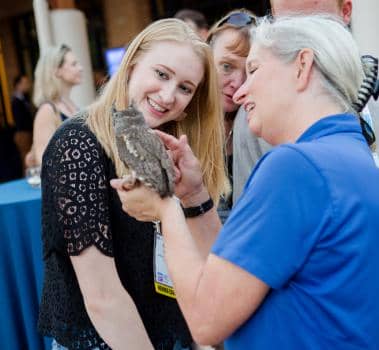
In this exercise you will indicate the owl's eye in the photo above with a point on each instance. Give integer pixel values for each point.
(161, 75)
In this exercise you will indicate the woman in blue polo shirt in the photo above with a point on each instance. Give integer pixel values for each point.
(295, 265)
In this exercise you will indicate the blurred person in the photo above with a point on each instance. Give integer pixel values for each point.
(295, 265)
(195, 19)
(248, 150)
(340, 8)
(230, 43)
(57, 72)
(100, 263)
(23, 114)
(10, 161)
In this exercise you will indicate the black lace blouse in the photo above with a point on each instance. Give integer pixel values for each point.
(80, 209)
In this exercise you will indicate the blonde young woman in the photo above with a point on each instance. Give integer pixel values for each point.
(229, 39)
(99, 262)
(57, 72)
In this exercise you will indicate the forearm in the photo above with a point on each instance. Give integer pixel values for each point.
(184, 259)
(117, 321)
(108, 305)
(204, 228)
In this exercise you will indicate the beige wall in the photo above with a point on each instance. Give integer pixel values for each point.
(124, 19)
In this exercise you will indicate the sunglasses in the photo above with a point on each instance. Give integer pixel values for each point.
(238, 19)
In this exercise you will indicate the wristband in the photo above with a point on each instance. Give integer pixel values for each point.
(192, 212)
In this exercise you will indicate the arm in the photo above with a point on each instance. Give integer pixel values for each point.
(45, 124)
(205, 285)
(204, 228)
(109, 306)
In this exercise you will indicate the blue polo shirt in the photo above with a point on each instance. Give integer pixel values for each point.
(307, 225)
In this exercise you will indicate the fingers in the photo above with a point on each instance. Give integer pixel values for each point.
(117, 184)
(128, 182)
(171, 142)
(183, 140)
(123, 184)
(177, 174)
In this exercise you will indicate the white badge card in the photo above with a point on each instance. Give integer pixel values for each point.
(162, 281)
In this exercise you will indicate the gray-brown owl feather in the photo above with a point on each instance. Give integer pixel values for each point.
(142, 151)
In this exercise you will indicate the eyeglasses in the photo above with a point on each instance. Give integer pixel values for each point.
(238, 19)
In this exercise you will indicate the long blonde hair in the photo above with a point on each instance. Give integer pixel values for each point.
(47, 86)
(203, 124)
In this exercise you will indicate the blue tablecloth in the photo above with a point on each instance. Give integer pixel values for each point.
(21, 267)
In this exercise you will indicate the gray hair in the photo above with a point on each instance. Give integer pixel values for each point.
(336, 55)
(47, 86)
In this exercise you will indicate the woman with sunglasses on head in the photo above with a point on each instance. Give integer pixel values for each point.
(57, 72)
(230, 42)
(295, 265)
(100, 264)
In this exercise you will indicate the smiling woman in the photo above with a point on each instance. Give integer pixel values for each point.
(163, 82)
(99, 289)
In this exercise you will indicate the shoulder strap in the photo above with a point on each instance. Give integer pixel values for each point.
(52, 105)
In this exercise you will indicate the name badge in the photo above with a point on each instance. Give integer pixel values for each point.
(162, 281)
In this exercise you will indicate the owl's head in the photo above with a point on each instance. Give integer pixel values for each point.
(124, 119)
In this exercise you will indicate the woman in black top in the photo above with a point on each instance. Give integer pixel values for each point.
(99, 267)
(57, 72)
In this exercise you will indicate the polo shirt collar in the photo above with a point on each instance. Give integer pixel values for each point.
(337, 123)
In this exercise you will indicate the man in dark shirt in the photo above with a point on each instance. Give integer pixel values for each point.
(23, 115)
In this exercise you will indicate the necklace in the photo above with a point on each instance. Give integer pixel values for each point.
(227, 139)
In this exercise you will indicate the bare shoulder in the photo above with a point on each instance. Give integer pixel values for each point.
(47, 114)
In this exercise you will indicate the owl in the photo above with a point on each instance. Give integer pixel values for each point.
(142, 151)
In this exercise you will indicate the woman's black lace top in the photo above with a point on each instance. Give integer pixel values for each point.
(80, 209)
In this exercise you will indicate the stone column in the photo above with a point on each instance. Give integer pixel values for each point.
(42, 18)
(69, 27)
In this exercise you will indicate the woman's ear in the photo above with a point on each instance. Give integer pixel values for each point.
(303, 64)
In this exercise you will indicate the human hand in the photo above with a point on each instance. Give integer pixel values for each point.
(139, 201)
(188, 174)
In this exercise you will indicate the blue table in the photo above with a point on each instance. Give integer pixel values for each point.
(21, 267)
